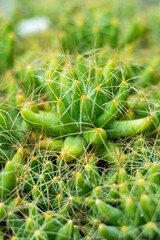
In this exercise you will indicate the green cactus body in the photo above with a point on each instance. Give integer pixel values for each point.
(107, 213)
(148, 206)
(2, 210)
(49, 144)
(82, 186)
(39, 235)
(73, 148)
(50, 121)
(95, 137)
(112, 153)
(108, 232)
(149, 230)
(76, 233)
(51, 225)
(79, 122)
(66, 231)
(131, 127)
(7, 179)
(92, 174)
(15, 224)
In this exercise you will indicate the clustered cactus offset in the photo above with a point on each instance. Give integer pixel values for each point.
(79, 134)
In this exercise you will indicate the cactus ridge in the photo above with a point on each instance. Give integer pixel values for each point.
(79, 121)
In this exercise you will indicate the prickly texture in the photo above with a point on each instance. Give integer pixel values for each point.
(79, 134)
(101, 202)
(81, 165)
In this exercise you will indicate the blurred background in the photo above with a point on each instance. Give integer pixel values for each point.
(78, 25)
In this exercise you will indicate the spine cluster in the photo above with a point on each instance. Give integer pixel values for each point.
(79, 129)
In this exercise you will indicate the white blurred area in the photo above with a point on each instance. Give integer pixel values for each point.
(28, 26)
(32, 25)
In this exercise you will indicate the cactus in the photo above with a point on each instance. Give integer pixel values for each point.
(132, 212)
(81, 167)
(79, 134)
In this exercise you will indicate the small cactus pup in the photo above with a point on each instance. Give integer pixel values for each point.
(87, 103)
(79, 135)
(73, 148)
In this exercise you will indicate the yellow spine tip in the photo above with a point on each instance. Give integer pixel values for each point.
(28, 220)
(88, 166)
(78, 173)
(143, 196)
(141, 181)
(150, 225)
(37, 233)
(47, 215)
(83, 96)
(1, 205)
(129, 200)
(124, 228)
(59, 196)
(100, 226)
(114, 100)
(98, 88)
(41, 176)
(98, 129)
(97, 201)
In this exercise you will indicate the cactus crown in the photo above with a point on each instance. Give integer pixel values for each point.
(79, 135)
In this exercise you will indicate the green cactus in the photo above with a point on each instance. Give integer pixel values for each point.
(79, 134)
